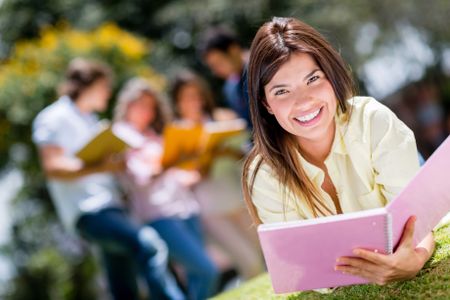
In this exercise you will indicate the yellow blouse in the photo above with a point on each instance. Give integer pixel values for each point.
(373, 156)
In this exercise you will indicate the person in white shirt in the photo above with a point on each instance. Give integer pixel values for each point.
(86, 197)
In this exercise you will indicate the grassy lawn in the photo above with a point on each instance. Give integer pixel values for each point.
(433, 282)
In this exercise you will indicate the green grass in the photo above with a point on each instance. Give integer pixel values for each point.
(433, 282)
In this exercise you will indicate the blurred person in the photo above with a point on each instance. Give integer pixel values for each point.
(430, 117)
(86, 197)
(160, 198)
(219, 191)
(227, 59)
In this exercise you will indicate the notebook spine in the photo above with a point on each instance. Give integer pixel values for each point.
(388, 230)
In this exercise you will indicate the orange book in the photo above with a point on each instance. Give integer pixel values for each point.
(188, 145)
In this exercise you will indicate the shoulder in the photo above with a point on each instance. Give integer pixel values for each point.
(371, 118)
(364, 109)
(55, 111)
(259, 166)
(49, 122)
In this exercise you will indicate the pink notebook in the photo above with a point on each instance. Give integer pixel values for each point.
(301, 255)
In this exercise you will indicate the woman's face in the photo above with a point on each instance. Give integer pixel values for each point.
(190, 102)
(141, 112)
(302, 99)
(98, 94)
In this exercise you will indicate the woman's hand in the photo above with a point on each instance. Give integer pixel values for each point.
(114, 163)
(381, 269)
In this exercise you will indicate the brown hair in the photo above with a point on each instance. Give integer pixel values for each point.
(184, 78)
(81, 74)
(272, 46)
(132, 90)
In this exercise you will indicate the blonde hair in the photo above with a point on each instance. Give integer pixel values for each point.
(132, 91)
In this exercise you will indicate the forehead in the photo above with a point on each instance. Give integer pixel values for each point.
(298, 65)
(145, 99)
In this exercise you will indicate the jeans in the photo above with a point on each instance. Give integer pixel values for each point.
(184, 240)
(126, 249)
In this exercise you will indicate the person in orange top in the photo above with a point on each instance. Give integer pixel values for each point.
(219, 192)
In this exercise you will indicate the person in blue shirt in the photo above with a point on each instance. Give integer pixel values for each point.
(227, 60)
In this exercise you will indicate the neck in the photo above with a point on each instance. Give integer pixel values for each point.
(316, 151)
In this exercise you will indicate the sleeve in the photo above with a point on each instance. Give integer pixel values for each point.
(44, 131)
(267, 196)
(394, 152)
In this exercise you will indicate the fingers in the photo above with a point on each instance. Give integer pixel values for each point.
(355, 262)
(358, 267)
(357, 272)
(374, 257)
(408, 233)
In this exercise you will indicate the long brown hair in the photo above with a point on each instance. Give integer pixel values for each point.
(272, 46)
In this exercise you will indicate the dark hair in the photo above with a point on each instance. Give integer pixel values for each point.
(216, 38)
(81, 74)
(272, 47)
(184, 78)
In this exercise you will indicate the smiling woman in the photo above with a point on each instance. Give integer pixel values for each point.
(320, 150)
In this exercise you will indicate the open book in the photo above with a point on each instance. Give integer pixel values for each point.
(187, 145)
(110, 139)
(301, 255)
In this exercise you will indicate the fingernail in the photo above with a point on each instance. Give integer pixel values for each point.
(356, 252)
(338, 260)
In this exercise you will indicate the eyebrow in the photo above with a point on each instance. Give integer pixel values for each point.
(307, 75)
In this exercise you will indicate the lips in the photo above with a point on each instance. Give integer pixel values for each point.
(309, 119)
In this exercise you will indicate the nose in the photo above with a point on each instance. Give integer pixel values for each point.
(303, 98)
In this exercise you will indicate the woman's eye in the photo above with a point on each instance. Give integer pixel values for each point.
(312, 79)
(280, 92)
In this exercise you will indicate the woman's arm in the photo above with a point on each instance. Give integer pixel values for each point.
(404, 263)
(58, 166)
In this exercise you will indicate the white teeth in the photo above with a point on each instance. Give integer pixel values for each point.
(308, 117)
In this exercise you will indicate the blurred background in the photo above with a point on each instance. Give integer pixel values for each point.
(399, 52)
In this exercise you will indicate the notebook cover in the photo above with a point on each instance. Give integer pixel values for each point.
(181, 145)
(187, 145)
(217, 132)
(301, 255)
(108, 140)
(427, 196)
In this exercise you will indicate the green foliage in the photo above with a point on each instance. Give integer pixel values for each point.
(28, 79)
(432, 282)
(49, 263)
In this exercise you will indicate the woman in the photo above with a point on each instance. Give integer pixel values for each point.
(219, 193)
(319, 150)
(86, 197)
(163, 199)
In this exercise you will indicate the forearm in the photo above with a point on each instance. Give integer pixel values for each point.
(57, 165)
(428, 244)
(71, 173)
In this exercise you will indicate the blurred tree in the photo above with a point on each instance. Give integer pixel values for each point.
(50, 264)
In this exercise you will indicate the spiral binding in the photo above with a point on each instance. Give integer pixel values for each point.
(389, 234)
